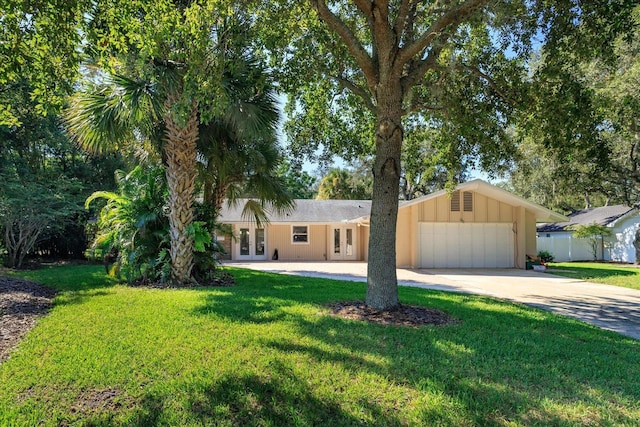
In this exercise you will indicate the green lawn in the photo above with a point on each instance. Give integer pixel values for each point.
(267, 353)
(610, 274)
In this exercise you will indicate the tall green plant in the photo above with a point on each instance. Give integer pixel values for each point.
(133, 228)
(132, 224)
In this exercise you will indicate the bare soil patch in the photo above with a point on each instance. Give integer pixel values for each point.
(21, 304)
(403, 315)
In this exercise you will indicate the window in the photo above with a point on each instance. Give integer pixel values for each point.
(455, 201)
(467, 201)
(300, 234)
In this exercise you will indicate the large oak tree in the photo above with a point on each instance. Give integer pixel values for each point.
(455, 66)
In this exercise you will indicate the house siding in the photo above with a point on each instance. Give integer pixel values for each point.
(405, 238)
(622, 249)
(485, 209)
(279, 237)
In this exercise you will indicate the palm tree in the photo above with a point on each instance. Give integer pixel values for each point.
(238, 147)
(239, 150)
(122, 111)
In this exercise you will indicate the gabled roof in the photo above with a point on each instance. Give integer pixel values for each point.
(477, 185)
(605, 215)
(333, 211)
(306, 211)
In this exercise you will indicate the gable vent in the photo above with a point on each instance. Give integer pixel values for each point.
(467, 201)
(455, 201)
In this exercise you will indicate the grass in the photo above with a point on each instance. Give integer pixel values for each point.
(267, 353)
(609, 274)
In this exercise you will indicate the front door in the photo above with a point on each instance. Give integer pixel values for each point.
(252, 243)
(343, 243)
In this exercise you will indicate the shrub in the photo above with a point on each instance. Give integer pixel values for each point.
(545, 256)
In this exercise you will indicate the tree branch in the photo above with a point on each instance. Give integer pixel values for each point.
(357, 90)
(401, 19)
(451, 18)
(348, 37)
(491, 82)
(419, 69)
(385, 40)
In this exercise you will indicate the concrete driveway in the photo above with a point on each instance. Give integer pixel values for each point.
(609, 307)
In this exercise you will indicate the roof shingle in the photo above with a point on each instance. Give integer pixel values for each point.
(604, 215)
(307, 211)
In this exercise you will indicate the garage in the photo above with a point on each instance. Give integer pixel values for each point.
(466, 245)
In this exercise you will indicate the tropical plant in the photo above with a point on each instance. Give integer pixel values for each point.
(132, 225)
(594, 233)
(133, 229)
(238, 148)
(342, 184)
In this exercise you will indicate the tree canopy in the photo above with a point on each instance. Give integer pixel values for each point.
(460, 69)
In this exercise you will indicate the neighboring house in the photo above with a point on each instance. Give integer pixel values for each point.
(623, 221)
(478, 225)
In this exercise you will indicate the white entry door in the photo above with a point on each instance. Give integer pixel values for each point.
(252, 243)
(343, 242)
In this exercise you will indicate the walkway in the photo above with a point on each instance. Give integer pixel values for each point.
(609, 307)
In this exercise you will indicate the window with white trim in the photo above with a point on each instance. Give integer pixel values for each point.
(300, 234)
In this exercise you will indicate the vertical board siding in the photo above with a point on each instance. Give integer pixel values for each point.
(485, 209)
(280, 238)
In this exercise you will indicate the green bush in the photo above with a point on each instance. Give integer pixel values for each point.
(545, 256)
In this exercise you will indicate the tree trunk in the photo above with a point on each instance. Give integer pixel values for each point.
(382, 282)
(636, 245)
(180, 150)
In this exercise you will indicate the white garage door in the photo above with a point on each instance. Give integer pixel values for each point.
(464, 245)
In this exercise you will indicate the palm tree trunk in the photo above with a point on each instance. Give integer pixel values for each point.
(180, 151)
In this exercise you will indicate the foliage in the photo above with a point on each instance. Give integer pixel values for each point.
(359, 74)
(430, 164)
(582, 150)
(132, 225)
(594, 233)
(545, 256)
(38, 44)
(342, 184)
(239, 149)
(268, 352)
(29, 211)
(133, 229)
(44, 179)
(298, 183)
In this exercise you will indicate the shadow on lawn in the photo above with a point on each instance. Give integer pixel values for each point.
(278, 398)
(501, 364)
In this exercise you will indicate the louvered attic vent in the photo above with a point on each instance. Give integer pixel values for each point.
(467, 201)
(455, 201)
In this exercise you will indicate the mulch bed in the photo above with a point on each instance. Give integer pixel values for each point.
(21, 304)
(403, 315)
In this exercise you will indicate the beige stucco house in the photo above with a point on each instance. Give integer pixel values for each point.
(478, 226)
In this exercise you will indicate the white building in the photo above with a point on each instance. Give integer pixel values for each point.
(557, 238)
